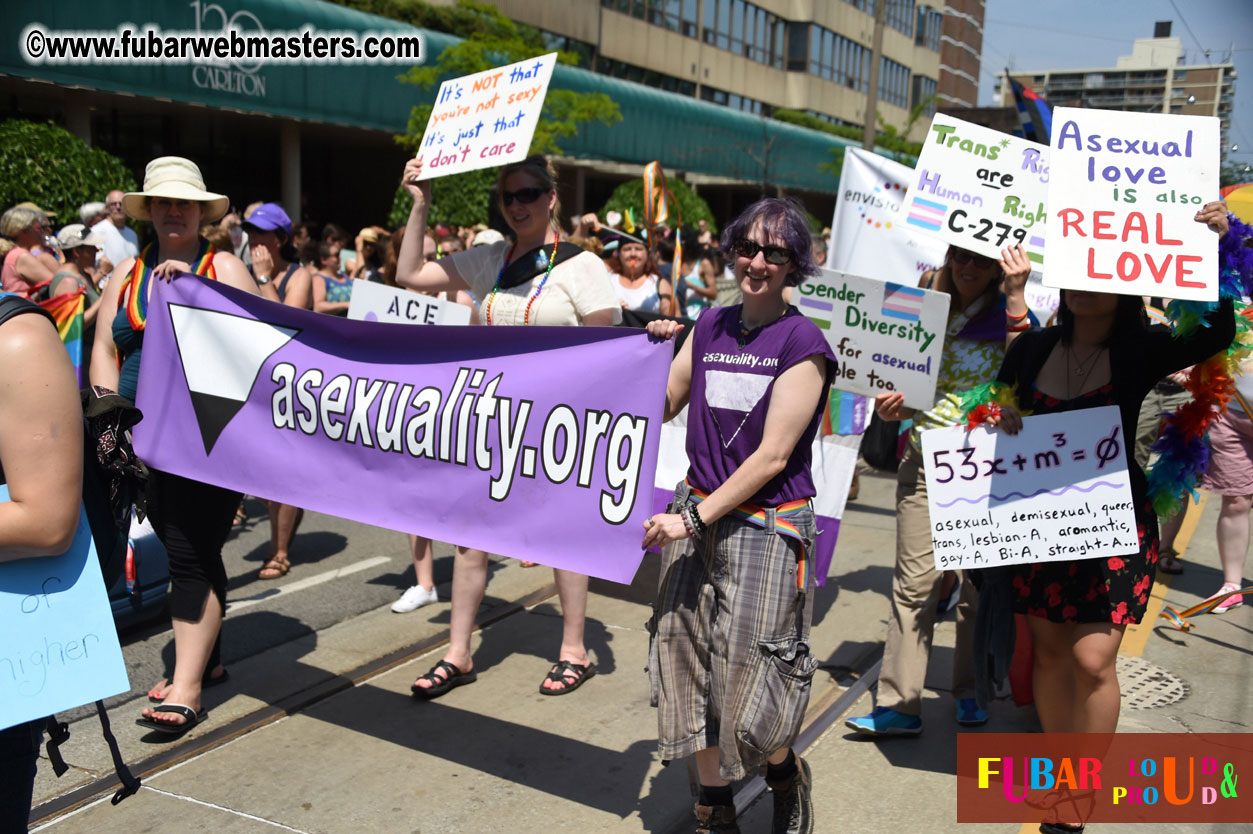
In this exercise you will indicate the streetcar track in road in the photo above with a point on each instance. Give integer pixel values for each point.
(235, 607)
(96, 789)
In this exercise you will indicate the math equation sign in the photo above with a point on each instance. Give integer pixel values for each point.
(58, 645)
(486, 119)
(1058, 490)
(979, 189)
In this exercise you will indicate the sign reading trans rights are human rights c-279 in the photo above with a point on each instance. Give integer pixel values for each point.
(524, 441)
(979, 189)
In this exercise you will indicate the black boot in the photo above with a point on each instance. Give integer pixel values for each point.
(793, 808)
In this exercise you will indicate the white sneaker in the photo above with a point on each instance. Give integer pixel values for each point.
(413, 599)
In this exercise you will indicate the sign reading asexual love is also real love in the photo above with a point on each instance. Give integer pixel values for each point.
(1123, 191)
(886, 337)
(1057, 490)
(485, 119)
(979, 189)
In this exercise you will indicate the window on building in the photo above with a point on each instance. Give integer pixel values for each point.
(899, 14)
(582, 49)
(927, 28)
(745, 29)
(923, 93)
(734, 101)
(893, 82)
(675, 15)
(647, 77)
(797, 46)
(835, 58)
(1094, 79)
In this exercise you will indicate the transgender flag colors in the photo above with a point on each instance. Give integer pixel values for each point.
(901, 302)
(67, 310)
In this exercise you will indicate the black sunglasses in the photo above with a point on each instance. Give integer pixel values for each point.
(777, 255)
(963, 256)
(525, 196)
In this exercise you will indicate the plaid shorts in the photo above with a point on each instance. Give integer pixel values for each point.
(729, 660)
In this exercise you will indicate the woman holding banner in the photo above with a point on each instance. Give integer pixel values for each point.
(730, 663)
(1102, 353)
(192, 519)
(987, 311)
(535, 279)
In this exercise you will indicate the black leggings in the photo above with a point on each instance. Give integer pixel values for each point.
(19, 750)
(192, 519)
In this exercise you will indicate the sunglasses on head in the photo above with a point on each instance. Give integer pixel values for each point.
(525, 196)
(962, 256)
(777, 255)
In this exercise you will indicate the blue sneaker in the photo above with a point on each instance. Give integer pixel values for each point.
(969, 714)
(884, 721)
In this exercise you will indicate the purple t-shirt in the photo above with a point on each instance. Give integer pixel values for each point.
(731, 388)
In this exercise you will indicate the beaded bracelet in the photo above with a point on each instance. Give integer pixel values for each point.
(687, 523)
(697, 521)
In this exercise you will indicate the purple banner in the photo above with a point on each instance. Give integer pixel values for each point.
(538, 443)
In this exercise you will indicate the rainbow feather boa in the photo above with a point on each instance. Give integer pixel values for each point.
(1183, 448)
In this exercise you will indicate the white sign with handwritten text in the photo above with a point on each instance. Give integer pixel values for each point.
(1058, 490)
(979, 189)
(485, 119)
(1123, 191)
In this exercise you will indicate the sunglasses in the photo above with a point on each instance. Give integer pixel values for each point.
(525, 196)
(961, 256)
(115, 204)
(777, 255)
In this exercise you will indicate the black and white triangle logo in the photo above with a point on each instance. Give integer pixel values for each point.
(221, 355)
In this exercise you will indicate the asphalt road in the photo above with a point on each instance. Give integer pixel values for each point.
(340, 569)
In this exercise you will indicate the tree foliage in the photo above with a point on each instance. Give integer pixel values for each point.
(489, 40)
(888, 137)
(52, 167)
(691, 207)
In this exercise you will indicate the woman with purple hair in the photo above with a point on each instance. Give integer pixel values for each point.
(730, 664)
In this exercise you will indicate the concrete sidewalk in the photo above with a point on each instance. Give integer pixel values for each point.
(357, 753)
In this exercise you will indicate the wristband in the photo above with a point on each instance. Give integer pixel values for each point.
(1012, 317)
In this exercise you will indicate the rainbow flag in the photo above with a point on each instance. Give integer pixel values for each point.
(67, 310)
(846, 413)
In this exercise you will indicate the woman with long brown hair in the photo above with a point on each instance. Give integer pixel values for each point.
(533, 279)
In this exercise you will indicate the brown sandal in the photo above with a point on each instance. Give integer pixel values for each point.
(276, 568)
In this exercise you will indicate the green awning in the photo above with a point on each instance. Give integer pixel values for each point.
(685, 134)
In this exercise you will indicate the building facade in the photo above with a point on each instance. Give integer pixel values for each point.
(1152, 79)
(809, 55)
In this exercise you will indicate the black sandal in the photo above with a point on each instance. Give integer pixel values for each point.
(570, 675)
(453, 677)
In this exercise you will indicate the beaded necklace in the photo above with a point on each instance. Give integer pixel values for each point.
(526, 316)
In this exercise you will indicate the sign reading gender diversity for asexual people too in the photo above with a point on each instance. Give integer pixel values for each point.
(58, 645)
(513, 440)
(379, 302)
(1123, 190)
(979, 189)
(1057, 490)
(886, 337)
(485, 119)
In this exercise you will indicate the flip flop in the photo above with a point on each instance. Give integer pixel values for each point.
(563, 669)
(453, 677)
(192, 718)
(207, 682)
(1170, 563)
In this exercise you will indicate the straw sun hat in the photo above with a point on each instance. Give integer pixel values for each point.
(174, 178)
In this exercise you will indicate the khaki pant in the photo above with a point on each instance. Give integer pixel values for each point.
(915, 596)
